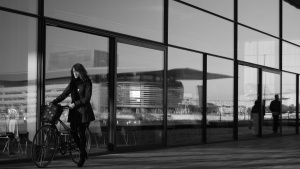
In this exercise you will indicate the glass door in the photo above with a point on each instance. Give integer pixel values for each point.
(271, 87)
(139, 93)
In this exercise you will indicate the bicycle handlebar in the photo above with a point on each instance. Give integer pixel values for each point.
(65, 107)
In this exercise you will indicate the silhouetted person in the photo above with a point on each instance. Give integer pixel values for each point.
(255, 117)
(275, 109)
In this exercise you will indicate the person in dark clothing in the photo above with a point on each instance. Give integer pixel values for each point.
(255, 117)
(80, 112)
(275, 109)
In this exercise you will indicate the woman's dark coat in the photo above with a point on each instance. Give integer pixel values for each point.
(82, 112)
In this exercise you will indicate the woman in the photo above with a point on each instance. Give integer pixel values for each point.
(81, 112)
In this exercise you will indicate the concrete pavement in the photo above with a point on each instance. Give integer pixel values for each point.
(281, 152)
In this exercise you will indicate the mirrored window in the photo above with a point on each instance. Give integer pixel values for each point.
(223, 8)
(258, 48)
(64, 48)
(185, 91)
(290, 23)
(290, 57)
(260, 14)
(30, 6)
(18, 78)
(219, 99)
(270, 87)
(248, 93)
(288, 107)
(194, 29)
(141, 18)
(139, 99)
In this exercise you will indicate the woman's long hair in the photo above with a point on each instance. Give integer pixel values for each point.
(80, 68)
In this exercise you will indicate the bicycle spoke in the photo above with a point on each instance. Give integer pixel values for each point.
(44, 146)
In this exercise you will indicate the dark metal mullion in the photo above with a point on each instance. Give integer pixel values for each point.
(297, 105)
(166, 22)
(280, 35)
(260, 116)
(112, 92)
(280, 57)
(41, 48)
(204, 103)
(236, 73)
(165, 99)
(165, 73)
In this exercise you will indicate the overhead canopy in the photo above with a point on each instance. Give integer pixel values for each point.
(193, 74)
(295, 3)
(176, 74)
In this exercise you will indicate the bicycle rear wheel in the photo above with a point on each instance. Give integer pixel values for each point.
(74, 150)
(43, 146)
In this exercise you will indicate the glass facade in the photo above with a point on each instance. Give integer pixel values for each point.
(185, 97)
(290, 57)
(18, 81)
(290, 24)
(258, 48)
(197, 30)
(164, 72)
(219, 99)
(133, 17)
(288, 107)
(30, 6)
(64, 48)
(247, 95)
(139, 111)
(270, 87)
(261, 15)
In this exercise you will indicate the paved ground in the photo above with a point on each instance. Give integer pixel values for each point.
(276, 153)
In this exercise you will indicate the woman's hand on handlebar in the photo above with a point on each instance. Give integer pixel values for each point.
(71, 106)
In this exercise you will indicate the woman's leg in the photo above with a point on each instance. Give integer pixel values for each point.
(83, 154)
(82, 128)
(74, 128)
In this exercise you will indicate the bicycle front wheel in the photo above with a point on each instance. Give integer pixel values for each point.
(43, 146)
(74, 151)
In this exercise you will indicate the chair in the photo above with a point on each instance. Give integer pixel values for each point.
(4, 134)
(23, 133)
(13, 129)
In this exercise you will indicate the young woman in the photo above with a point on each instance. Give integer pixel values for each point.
(81, 112)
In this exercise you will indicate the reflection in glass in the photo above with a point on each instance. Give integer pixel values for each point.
(248, 94)
(261, 15)
(270, 87)
(139, 95)
(219, 99)
(194, 29)
(255, 47)
(64, 49)
(185, 90)
(30, 6)
(290, 23)
(142, 18)
(223, 8)
(288, 108)
(290, 57)
(18, 78)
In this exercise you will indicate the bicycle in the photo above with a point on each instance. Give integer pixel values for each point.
(48, 139)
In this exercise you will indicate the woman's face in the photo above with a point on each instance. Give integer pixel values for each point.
(75, 73)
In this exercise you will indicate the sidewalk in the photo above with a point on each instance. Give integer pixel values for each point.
(277, 153)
